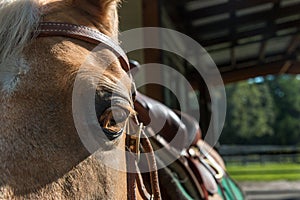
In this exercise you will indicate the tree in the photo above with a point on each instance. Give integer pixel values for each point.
(286, 95)
(263, 113)
(250, 113)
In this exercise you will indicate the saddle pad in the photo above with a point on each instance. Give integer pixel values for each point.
(230, 189)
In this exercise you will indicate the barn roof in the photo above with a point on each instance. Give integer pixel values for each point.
(245, 38)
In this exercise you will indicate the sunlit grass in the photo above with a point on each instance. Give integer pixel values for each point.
(265, 172)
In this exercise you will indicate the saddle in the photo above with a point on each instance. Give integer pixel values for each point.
(168, 132)
(198, 170)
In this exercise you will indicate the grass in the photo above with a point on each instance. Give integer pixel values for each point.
(265, 172)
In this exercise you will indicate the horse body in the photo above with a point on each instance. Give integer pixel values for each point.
(42, 156)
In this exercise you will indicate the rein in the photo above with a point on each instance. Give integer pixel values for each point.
(133, 142)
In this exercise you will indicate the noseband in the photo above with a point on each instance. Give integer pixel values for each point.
(134, 180)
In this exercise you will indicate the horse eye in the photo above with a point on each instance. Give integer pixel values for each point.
(113, 121)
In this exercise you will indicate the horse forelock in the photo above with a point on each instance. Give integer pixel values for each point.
(18, 20)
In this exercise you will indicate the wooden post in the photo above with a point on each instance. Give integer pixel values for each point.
(151, 18)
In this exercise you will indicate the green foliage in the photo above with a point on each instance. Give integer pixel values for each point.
(286, 94)
(267, 112)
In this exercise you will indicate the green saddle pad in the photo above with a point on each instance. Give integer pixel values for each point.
(229, 190)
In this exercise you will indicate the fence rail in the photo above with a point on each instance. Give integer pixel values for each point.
(259, 154)
(274, 174)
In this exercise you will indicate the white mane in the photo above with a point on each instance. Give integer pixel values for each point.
(18, 19)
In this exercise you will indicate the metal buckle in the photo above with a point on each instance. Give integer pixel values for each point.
(196, 152)
(219, 171)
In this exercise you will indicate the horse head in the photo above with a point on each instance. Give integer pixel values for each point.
(42, 154)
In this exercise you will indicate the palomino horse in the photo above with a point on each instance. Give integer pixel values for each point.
(42, 156)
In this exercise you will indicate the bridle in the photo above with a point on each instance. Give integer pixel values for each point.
(133, 142)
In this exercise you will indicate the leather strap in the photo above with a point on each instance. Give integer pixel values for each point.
(134, 180)
(131, 176)
(48, 29)
(146, 144)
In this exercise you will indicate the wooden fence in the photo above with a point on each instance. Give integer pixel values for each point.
(260, 154)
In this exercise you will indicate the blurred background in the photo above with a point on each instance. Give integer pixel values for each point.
(255, 45)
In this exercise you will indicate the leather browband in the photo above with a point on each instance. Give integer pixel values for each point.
(47, 29)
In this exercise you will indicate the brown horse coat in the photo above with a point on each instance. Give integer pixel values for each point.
(42, 156)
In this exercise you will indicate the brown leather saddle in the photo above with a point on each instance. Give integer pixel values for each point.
(196, 174)
(197, 167)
